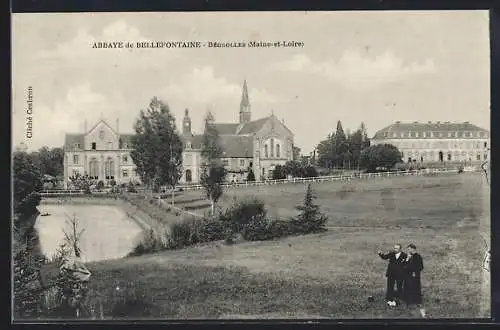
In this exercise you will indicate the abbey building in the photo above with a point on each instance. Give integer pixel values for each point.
(258, 145)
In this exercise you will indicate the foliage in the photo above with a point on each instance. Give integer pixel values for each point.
(380, 155)
(339, 150)
(213, 173)
(243, 212)
(261, 229)
(49, 161)
(295, 153)
(27, 184)
(82, 182)
(294, 168)
(279, 172)
(250, 176)
(131, 188)
(157, 146)
(150, 243)
(310, 219)
(309, 172)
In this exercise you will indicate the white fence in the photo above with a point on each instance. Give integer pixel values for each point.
(319, 179)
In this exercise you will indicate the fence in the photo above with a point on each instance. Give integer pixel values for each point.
(319, 179)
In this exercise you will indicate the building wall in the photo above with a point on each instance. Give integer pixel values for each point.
(123, 167)
(428, 150)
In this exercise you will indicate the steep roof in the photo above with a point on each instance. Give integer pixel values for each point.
(233, 146)
(71, 139)
(226, 128)
(431, 130)
(253, 126)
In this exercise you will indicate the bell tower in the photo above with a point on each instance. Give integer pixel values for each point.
(186, 123)
(245, 108)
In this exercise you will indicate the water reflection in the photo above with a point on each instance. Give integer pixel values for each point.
(108, 232)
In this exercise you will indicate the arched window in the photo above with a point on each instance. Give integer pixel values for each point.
(94, 168)
(266, 151)
(272, 147)
(278, 150)
(109, 168)
(189, 176)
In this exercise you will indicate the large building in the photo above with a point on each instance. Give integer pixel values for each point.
(100, 152)
(258, 145)
(104, 154)
(437, 141)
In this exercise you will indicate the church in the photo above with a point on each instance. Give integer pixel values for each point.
(259, 145)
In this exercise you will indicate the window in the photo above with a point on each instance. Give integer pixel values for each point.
(189, 176)
(266, 152)
(278, 150)
(93, 169)
(76, 159)
(481, 134)
(436, 134)
(417, 134)
(449, 134)
(225, 162)
(75, 172)
(125, 159)
(406, 134)
(93, 145)
(125, 146)
(110, 145)
(412, 134)
(449, 156)
(188, 145)
(485, 156)
(385, 134)
(478, 157)
(242, 162)
(125, 173)
(467, 134)
(76, 146)
(393, 134)
(485, 145)
(109, 169)
(272, 147)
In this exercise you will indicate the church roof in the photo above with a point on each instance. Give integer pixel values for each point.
(432, 130)
(253, 126)
(226, 128)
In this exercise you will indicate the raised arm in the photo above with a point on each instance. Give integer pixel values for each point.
(384, 255)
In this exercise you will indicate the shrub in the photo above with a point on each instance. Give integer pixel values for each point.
(211, 230)
(150, 243)
(250, 176)
(261, 229)
(310, 219)
(184, 234)
(241, 213)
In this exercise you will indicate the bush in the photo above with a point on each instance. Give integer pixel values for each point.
(241, 213)
(211, 230)
(150, 243)
(250, 176)
(261, 229)
(184, 234)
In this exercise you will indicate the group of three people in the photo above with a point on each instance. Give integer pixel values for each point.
(403, 276)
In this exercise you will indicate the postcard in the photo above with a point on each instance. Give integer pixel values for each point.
(251, 165)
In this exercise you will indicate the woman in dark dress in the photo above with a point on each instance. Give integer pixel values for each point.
(414, 265)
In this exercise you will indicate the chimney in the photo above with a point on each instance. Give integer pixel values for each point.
(117, 125)
(85, 126)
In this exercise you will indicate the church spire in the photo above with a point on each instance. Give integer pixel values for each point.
(245, 109)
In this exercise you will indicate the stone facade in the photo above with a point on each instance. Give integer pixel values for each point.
(437, 142)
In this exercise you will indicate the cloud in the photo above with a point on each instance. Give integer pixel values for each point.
(66, 115)
(80, 48)
(202, 86)
(354, 70)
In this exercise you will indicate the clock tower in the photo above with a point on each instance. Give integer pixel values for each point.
(186, 124)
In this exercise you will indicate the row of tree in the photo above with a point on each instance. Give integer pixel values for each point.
(341, 150)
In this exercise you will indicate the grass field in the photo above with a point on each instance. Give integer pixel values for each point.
(327, 275)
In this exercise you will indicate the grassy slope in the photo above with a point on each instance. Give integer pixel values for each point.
(326, 275)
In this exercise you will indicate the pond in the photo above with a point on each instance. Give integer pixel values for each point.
(108, 232)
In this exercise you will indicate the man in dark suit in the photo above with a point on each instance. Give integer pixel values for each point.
(413, 265)
(395, 273)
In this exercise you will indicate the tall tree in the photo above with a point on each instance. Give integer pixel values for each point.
(296, 152)
(380, 155)
(157, 146)
(49, 161)
(213, 172)
(340, 145)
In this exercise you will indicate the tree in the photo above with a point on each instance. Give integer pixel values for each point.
(27, 181)
(340, 146)
(309, 172)
(279, 172)
(380, 155)
(49, 161)
(157, 147)
(296, 152)
(310, 219)
(213, 173)
(293, 168)
(250, 176)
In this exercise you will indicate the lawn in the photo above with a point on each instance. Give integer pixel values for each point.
(327, 275)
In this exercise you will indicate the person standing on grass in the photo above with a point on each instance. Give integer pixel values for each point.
(395, 273)
(413, 265)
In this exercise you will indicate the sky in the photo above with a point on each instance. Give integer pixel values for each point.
(371, 67)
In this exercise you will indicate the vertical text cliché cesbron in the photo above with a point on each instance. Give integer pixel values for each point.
(29, 113)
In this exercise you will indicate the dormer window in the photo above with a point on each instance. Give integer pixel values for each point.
(125, 146)
(93, 146)
(417, 134)
(188, 145)
(125, 159)
(76, 146)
